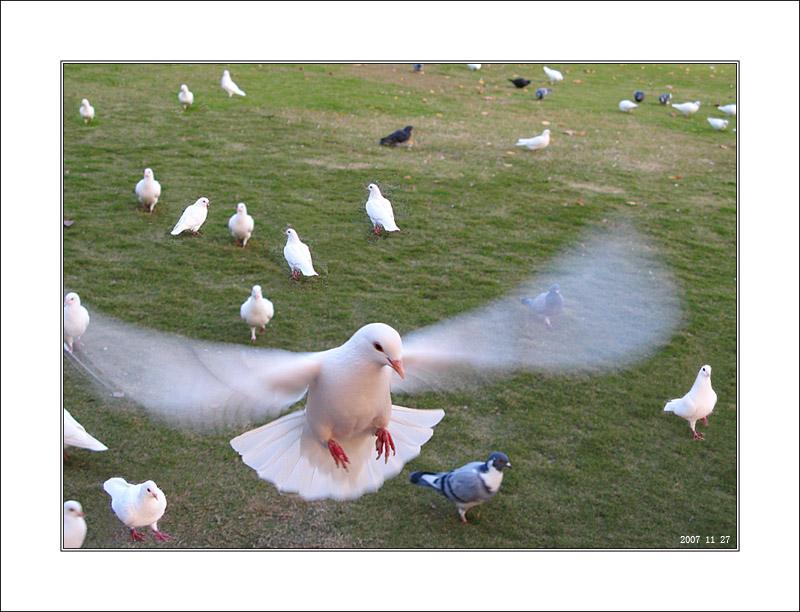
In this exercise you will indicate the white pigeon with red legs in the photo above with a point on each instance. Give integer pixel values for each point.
(298, 255)
(137, 505)
(241, 225)
(256, 311)
(380, 211)
(148, 190)
(185, 97)
(76, 320)
(193, 217)
(698, 403)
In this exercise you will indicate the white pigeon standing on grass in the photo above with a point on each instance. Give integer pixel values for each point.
(298, 255)
(698, 403)
(74, 524)
(185, 97)
(380, 210)
(469, 485)
(553, 75)
(474, 67)
(76, 320)
(140, 505)
(537, 143)
(241, 225)
(148, 189)
(627, 106)
(76, 435)
(87, 111)
(256, 311)
(687, 108)
(718, 124)
(728, 109)
(229, 86)
(193, 217)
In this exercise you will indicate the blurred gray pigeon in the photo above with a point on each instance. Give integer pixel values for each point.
(665, 98)
(398, 137)
(638, 96)
(75, 435)
(469, 485)
(546, 305)
(148, 190)
(76, 320)
(418, 67)
(87, 111)
(229, 86)
(543, 92)
(185, 97)
(193, 217)
(256, 311)
(728, 109)
(698, 403)
(687, 108)
(553, 75)
(74, 524)
(520, 82)
(140, 505)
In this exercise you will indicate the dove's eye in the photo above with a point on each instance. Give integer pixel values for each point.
(377, 346)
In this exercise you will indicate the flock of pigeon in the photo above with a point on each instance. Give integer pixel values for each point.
(687, 109)
(323, 451)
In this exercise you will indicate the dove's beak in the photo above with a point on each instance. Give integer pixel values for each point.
(80, 514)
(508, 465)
(397, 366)
(155, 495)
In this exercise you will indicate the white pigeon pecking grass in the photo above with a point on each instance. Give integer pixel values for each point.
(87, 111)
(553, 75)
(148, 190)
(241, 225)
(537, 143)
(380, 211)
(298, 255)
(76, 320)
(256, 311)
(698, 403)
(687, 108)
(185, 97)
(718, 124)
(74, 524)
(140, 505)
(728, 109)
(193, 217)
(627, 106)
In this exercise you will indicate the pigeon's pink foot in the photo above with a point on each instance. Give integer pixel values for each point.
(705, 421)
(377, 230)
(294, 274)
(137, 537)
(162, 537)
(464, 521)
(253, 339)
(382, 444)
(338, 453)
(698, 436)
(547, 324)
(263, 329)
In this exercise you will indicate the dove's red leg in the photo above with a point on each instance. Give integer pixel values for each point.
(698, 436)
(137, 537)
(382, 444)
(294, 274)
(162, 537)
(377, 230)
(263, 329)
(705, 421)
(338, 453)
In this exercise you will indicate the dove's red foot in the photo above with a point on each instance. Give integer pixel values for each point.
(137, 537)
(294, 274)
(377, 230)
(464, 521)
(253, 339)
(263, 329)
(698, 436)
(382, 444)
(338, 453)
(162, 537)
(705, 421)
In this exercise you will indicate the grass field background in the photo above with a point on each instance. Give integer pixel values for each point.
(596, 463)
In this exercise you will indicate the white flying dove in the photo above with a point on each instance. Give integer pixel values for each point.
(229, 86)
(241, 225)
(698, 403)
(553, 75)
(87, 111)
(75, 435)
(380, 210)
(728, 109)
(148, 189)
(469, 485)
(74, 524)
(185, 97)
(547, 304)
(140, 505)
(298, 255)
(718, 124)
(537, 143)
(256, 311)
(687, 108)
(193, 217)
(627, 106)
(76, 320)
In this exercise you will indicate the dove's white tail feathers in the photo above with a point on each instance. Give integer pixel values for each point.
(75, 435)
(287, 454)
(673, 405)
(116, 487)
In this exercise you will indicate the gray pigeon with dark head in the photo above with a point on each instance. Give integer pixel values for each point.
(469, 485)
(547, 304)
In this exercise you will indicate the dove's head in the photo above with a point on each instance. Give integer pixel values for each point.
(184, 87)
(85, 102)
(292, 233)
(256, 291)
(148, 173)
(705, 372)
(72, 299)
(150, 489)
(546, 132)
(203, 202)
(382, 344)
(226, 73)
(554, 288)
(373, 189)
(73, 509)
(242, 208)
(498, 461)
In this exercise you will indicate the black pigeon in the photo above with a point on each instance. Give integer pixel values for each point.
(520, 82)
(543, 93)
(665, 98)
(398, 137)
(638, 96)
(417, 67)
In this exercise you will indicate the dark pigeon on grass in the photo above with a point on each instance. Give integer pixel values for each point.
(520, 82)
(546, 305)
(417, 67)
(543, 92)
(398, 137)
(638, 96)
(665, 98)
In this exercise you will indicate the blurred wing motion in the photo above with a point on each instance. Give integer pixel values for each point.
(620, 306)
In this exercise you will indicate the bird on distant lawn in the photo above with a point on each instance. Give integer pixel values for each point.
(229, 86)
(547, 304)
(76, 320)
(418, 67)
(241, 225)
(76, 435)
(665, 98)
(148, 189)
(193, 217)
(543, 92)
(185, 97)
(638, 96)
(398, 137)
(469, 485)
(728, 109)
(718, 124)
(536, 143)
(87, 111)
(687, 108)
(137, 505)
(474, 66)
(519, 83)
(380, 211)
(74, 524)
(298, 255)
(627, 106)
(256, 311)
(553, 75)
(698, 403)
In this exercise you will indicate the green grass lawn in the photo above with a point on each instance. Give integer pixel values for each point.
(596, 464)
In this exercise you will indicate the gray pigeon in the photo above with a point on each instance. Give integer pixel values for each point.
(546, 305)
(543, 92)
(469, 485)
(665, 98)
